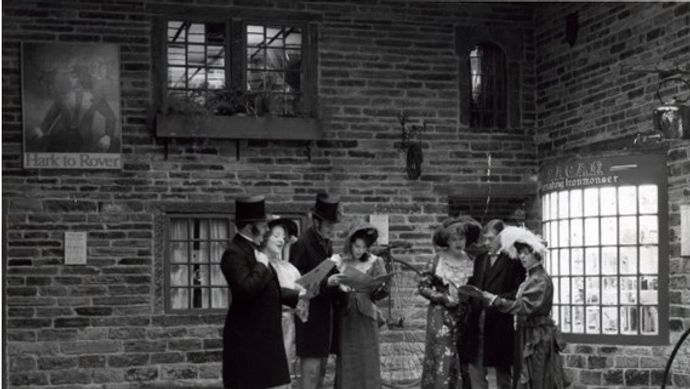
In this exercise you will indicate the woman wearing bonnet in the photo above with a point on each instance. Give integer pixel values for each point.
(357, 317)
(448, 270)
(538, 364)
(282, 233)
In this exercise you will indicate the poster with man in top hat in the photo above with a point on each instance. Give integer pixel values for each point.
(71, 106)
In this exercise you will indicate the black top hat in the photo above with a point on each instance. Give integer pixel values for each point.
(250, 209)
(326, 208)
(289, 225)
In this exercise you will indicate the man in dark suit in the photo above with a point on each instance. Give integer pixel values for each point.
(253, 352)
(314, 337)
(487, 339)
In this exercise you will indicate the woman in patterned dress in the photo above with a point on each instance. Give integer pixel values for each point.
(448, 270)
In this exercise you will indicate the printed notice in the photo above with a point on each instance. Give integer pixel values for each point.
(381, 223)
(75, 248)
(685, 230)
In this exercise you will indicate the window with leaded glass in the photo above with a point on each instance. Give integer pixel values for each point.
(195, 246)
(488, 86)
(605, 223)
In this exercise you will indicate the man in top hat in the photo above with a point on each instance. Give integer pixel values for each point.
(253, 352)
(314, 337)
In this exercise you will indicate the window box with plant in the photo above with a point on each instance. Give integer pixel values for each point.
(233, 78)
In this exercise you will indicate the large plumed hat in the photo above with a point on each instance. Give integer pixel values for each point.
(289, 225)
(511, 235)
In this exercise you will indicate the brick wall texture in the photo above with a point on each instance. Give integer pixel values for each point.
(102, 325)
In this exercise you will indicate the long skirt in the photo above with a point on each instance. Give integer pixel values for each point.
(357, 364)
(441, 368)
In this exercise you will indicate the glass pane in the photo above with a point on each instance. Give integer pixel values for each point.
(293, 83)
(293, 37)
(274, 35)
(628, 260)
(649, 231)
(649, 290)
(576, 238)
(254, 40)
(178, 252)
(567, 321)
(176, 77)
(593, 296)
(649, 318)
(578, 290)
(563, 204)
(554, 316)
(200, 275)
(176, 54)
(196, 33)
(628, 230)
(554, 270)
(256, 59)
(628, 290)
(627, 200)
(179, 298)
(608, 200)
(609, 295)
(216, 78)
(576, 203)
(649, 202)
(593, 320)
(197, 78)
(609, 230)
(554, 234)
(275, 59)
(565, 262)
(591, 232)
(217, 278)
(545, 208)
(565, 290)
(179, 275)
(196, 55)
(219, 298)
(610, 320)
(215, 33)
(609, 260)
(592, 261)
(564, 238)
(175, 31)
(554, 205)
(200, 298)
(629, 320)
(577, 262)
(578, 319)
(591, 202)
(556, 290)
(255, 29)
(546, 227)
(215, 56)
(649, 260)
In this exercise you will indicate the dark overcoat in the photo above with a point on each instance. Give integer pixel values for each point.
(253, 352)
(503, 279)
(314, 338)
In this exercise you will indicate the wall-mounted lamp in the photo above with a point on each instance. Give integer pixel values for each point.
(672, 119)
(411, 141)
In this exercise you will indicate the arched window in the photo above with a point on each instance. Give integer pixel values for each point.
(488, 107)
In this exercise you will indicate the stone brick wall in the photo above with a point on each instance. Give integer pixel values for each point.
(100, 325)
(585, 103)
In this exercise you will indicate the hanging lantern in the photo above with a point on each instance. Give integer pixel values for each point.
(672, 119)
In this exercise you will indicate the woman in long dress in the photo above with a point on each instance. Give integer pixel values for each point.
(538, 364)
(357, 316)
(281, 234)
(449, 269)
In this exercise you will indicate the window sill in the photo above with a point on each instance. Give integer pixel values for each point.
(237, 127)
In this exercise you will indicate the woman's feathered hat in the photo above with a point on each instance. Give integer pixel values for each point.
(511, 235)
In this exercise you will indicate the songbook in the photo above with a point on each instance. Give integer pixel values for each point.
(471, 290)
(360, 281)
(312, 280)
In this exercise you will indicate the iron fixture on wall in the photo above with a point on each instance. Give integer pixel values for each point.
(411, 142)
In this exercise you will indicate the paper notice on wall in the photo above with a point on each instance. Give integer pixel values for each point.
(75, 248)
(381, 223)
(685, 230)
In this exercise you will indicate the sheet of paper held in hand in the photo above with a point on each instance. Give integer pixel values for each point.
(312, 280)
(358, 280)
(470, 290)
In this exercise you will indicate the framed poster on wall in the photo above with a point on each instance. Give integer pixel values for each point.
(71, 106)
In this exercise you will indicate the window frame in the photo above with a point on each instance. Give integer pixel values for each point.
(651, 169)
(235, 20)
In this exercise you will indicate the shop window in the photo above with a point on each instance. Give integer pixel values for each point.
(488, 86)
(605, 222)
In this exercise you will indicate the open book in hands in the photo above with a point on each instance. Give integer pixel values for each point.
(362, 282)
(471, 291)
(312, 280)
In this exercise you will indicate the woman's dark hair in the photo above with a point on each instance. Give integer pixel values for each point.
(368, 236)
(519, 246)
(495, 225)
(464, 228)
